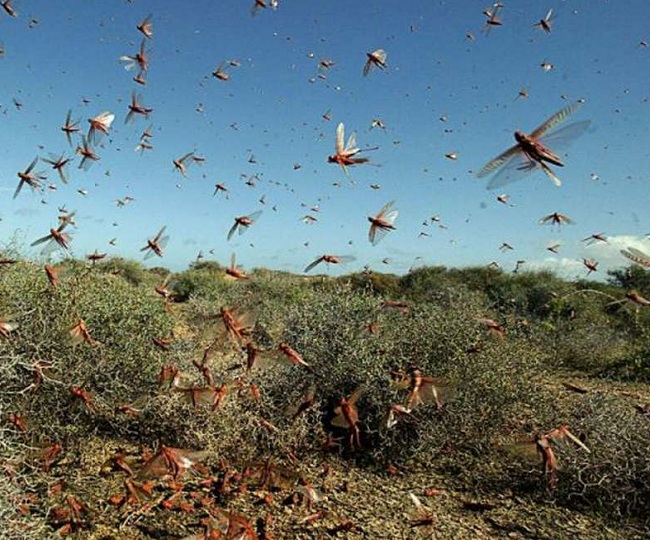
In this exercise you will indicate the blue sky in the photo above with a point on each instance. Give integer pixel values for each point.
(272, 109)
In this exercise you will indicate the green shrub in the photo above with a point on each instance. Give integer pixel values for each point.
(202, 279)
(384, 285)
(614, 479)
(491, 387)
(633, 277)
(611, 479)
(497, 390)
(585, 336)
(120, 368)
(132, 271)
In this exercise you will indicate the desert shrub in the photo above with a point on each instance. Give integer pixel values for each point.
(635, 365)
(132, 271)
(438, 286)
(329, 332)
(278, 290)
(612, 479)
(265, 295)
(384, 285)
(13, 445)
(583, 335)
(422, 282)
(120, 367)
(311, 321)
(208, 281)
(243, 427)
(495, 390)
(231, 432)
(491, 387)
(158, 273)
(633, 277)
(589, 347)
(200, 280)
(478, 278)
(234, 431)
(525, 294)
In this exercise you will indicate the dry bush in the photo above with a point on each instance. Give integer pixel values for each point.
(119, 368)
(497, 390)
(585, 335)
(39, 362)
(589, 347)
(497, 387)
(614, 479)
(493, 388)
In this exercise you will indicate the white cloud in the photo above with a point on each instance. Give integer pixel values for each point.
(562, 266)
(606, 254)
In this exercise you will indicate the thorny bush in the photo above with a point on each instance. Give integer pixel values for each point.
(494, 389)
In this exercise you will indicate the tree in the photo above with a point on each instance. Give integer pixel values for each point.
(633, 277)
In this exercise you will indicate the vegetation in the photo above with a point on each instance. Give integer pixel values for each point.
(195, 402)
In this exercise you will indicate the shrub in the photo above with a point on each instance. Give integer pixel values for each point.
(496, 389)
(612, 479)
(633, 277)
(384, 285)
(584, 336)
(120, 368)
(491, 387)
(131, 271)
(202, 279)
